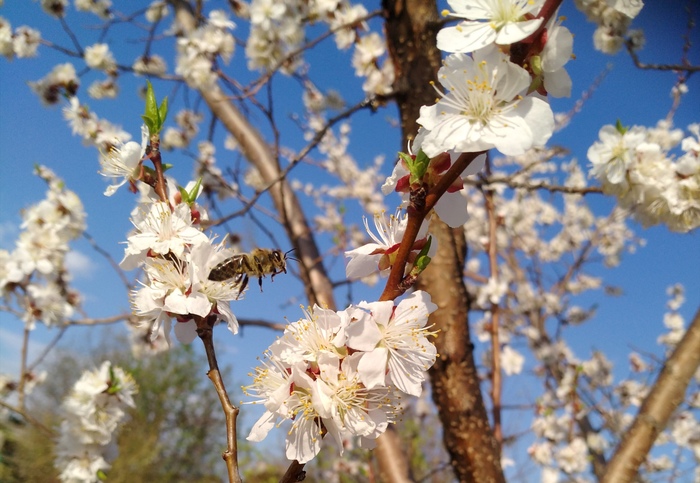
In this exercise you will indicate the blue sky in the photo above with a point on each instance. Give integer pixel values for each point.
(32, 134)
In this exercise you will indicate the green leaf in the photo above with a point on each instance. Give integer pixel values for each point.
(184, 195)
(620, 128)
(154, 116)
(192, 196)
(150, 114)
(416, 166)
(421, 164)
(422, 260)
(163, 111)
(149, 124)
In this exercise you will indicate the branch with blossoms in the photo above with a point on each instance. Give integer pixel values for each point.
(337, 375)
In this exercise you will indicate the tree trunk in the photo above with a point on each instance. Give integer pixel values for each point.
(411, 27)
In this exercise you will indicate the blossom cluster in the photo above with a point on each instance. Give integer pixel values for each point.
(57, 8)
(176, 257)
(277, 34)
(180, 137)
(342, 373)
(197, 51)
(587, 389)
(99, 57)
(636, 165)
(34, 273)
(21, 43)
(93, 130)
(62, 80)
(613, 18)
(92, 412)
(380, 255)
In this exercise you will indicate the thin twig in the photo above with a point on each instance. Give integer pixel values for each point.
(29, 418)
(496, 381)
(205, 327)
(23, 369)
(318, 137)
(110, 260)
(508, 181)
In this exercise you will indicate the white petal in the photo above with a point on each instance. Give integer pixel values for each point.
(515, 31)
(176, 303)
(231, 320)
(417, 305)
(186, 332)
(381, 311)
(361, 265)
(372, 367)
(540, 118)
(363, 334)
(262, 426)
(558, 50)
(558, 83)
(198, 304)
(404, 380)
(451, 208)
(304, 441)
(466, 37)
(111, 189)
(471, 10)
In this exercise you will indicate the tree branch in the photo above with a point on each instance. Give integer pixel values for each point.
(668, 392)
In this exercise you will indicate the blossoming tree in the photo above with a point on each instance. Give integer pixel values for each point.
(487, 222)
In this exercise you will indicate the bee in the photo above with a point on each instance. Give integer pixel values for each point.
(258, 263)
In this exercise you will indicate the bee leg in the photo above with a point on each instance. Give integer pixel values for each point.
(260, 283)
(272, 276)
(244, 284)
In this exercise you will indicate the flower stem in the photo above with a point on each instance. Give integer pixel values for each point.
(155, 158)
(394, 287)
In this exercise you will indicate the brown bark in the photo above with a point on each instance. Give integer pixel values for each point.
(411, 27)
(456, 390)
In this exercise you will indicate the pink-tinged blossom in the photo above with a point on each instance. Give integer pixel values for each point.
(486, 106)
(379, 255)
(501, 22)
(452, 205)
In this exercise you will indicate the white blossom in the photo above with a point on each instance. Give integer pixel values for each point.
(162, 230)
(326, 370)
(92, 411)
(98, 56)
(486, 106)
(501, 22)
